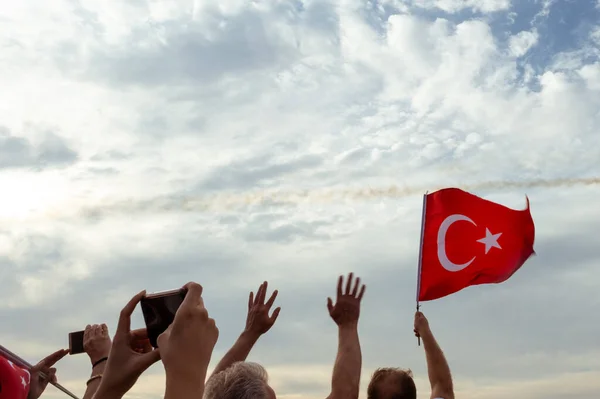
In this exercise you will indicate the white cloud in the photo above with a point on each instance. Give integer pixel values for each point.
(452, 6)
(161, 142)
(522, 42)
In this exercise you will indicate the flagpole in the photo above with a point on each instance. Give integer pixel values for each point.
(22, 363)
(421, 256)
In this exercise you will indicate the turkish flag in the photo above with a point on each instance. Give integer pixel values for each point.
(468, 240)
(14, 381)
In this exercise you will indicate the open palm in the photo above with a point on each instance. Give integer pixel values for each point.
(259, 321)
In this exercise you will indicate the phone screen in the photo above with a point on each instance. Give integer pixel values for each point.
(76, 342)
(159, 312)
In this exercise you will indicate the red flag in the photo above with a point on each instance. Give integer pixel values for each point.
(468, 240)
(14, 381)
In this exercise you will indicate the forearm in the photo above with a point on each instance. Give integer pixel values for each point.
(92, 387)
(440, 377)
(345, 381)
(103, 392)
(238, 352)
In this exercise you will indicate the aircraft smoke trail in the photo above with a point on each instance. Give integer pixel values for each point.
(236, 201)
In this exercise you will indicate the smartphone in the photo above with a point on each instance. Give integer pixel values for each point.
(76, 342)
(159, 312)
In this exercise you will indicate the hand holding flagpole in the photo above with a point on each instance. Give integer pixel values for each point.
(416, 332)
(24, 364)
(421, 259)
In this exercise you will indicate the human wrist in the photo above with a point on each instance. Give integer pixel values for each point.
(96, 357)
(250, 336)
(182, 386)
(97, 361)
(99, 368)
(426, 334)
(348, 328)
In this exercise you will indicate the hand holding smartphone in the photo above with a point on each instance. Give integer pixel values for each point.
(159, 312)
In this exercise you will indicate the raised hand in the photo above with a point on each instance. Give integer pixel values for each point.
(128, 359)
(346, 310)
(421, 324)
(96, 342)
(258, 321)
(38, 384)
(187, 345)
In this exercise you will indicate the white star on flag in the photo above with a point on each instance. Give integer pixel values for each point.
(490, 240)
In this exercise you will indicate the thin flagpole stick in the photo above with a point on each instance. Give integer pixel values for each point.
(421, 256)
(23, 363)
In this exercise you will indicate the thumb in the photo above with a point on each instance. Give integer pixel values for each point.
(329, 305)
(275, 315)
(52, 375)
(148, 359)
(165, 335)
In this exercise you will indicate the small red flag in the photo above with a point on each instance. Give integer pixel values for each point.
(468, 240)
(14, 381)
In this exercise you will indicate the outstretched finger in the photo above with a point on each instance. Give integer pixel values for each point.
(251, 300)
(355, 289)
(124, 325)
(262, 293)
(349, 283)
(50, 360)
(271, 300)
(362, 292)
(339, 287)
(329, 305)
(275, 314)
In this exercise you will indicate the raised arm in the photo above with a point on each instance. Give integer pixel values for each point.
(345, 381)
(258, 322)
(130, 355)
(186, 347)
(96, 343)
(440, 377)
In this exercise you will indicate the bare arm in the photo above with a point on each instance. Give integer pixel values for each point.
(258, 322)
(345, 381)
(238, 352)
(96, 343)
(440, 377)
(93, 385)
(186, 347)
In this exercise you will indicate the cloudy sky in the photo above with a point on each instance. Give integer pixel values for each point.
(147, 143)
